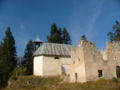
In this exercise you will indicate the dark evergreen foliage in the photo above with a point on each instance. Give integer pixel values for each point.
(55, 36)
(28, 57)
(115, 35)
(83, 37)
(66, 37)
(7, 57)
(58, 35)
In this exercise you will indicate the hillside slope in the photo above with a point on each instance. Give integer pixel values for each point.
(54, 83)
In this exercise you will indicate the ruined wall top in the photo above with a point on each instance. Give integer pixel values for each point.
(112, 51)
(86, 43)
(113, 45)
(109, 45)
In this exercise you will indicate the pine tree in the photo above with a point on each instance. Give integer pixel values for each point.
(115, 35)
(28, 57)
(9, 44)
(83, 37)
(7, 57)
(3, 68)
(66, 37)
(58, 35)
(55, 35)
(111, 36)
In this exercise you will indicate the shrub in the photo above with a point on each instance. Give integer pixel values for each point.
(115, 80)
(19, 71)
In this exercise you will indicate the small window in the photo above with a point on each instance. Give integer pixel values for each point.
(100, 73)
(56, 57)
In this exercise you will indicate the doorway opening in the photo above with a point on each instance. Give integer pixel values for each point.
(118, 71)
(76, 77)
(100, 73)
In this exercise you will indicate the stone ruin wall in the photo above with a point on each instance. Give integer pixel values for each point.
(77, 66)
(87, 60)
(112, 51)
(93, 60)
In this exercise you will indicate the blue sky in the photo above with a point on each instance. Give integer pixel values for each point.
(31, 18)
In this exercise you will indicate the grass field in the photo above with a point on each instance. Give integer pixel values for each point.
(54, 83)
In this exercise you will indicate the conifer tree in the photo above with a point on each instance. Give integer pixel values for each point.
(28, 57)
(83, 37)
(4, 75)
(115, 35)
(58, 35)
(10, 48)
(55, 35)
(66, 37)
(7, 57)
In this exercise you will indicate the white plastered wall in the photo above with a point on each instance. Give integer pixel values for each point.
(48, 65)
(38, 66)
(52, 66)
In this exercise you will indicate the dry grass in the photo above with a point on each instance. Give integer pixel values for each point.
(53, 83)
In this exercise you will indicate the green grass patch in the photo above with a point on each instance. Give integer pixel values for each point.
(55, 83)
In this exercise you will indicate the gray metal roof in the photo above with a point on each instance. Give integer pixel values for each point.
(53, 49)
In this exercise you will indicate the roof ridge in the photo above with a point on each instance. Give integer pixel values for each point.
(58, 43)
